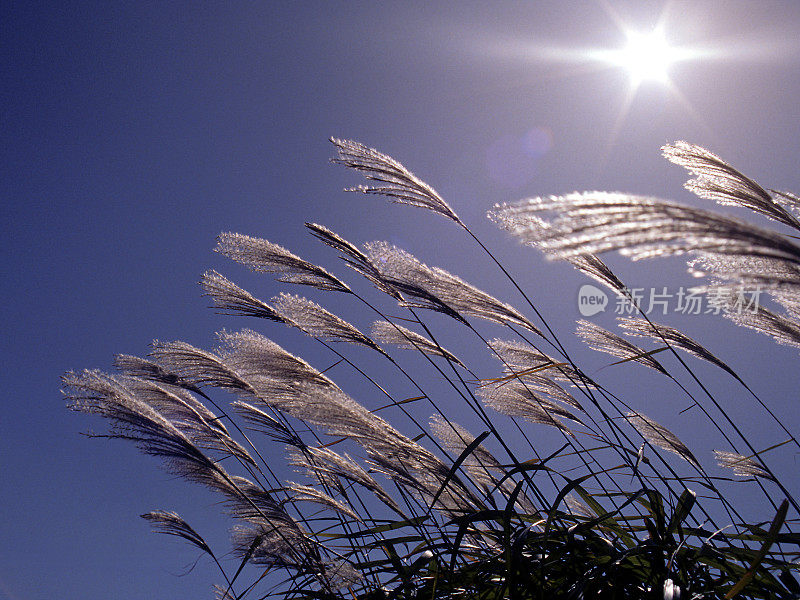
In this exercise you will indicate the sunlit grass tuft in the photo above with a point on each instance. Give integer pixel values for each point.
(531, 479)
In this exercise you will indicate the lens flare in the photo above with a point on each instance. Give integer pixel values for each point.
(646, 57)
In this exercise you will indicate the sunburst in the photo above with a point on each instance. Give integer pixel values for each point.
(646, 56)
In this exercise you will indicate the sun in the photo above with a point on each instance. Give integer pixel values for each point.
(646, 57)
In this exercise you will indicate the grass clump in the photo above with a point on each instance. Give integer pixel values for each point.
(578, 494)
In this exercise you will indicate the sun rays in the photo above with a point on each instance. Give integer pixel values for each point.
(646, 57)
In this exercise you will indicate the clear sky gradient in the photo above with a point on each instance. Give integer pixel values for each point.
(133, 133)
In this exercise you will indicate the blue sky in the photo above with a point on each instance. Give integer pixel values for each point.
(134, 133)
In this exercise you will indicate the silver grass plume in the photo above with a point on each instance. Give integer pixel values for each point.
(355, 259)
(594, 267)
(636, 326)
(432, 287)
(456, 438)
(789, 301)
(110, 396)
(141, 368)
(135, 366)
(782, 329)
(394, 180)
(327, 480)
(115, 397)
(198, 367)
(638, 226)
(390, 333)
(261, 507)
(603, 340)
(260, 359)
(524, 363)
(515, 399)
(424, 484)
(588, 264)
(743, 466)
(788, 199)
(264, 545)
(660, 436)
(332, 410)
(481, 465)
(732, 279)
(265, 257)
(272, 546)
(340, 574)
(317, 322)
(324, 463)
(276, 536)
(545, 388)
(198, 423)
(307, 493)
(248, 365)
(719, 181)
(752, 271)
(522, 359)
(407, 292)
(290, 385)
(230, 299)
(181, 411)
(259, 420)
(170, 523)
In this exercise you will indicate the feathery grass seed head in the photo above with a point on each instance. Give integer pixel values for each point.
(394, 180)
(265, 257)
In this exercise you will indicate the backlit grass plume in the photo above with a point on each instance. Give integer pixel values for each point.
(499, 467)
